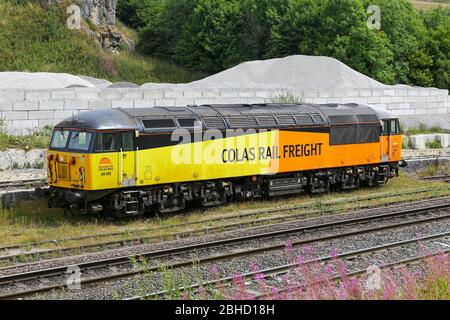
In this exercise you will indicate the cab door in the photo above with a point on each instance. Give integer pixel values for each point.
(395, 140)
(385, 141)
(127, 157)
(390, 140)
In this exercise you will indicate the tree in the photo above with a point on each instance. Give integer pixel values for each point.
(160, 36)
(334, 28)
(437, 44)
(210, 40)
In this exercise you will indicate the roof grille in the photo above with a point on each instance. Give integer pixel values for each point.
(317, 118)
(285, 119)
(242, 121)
(266, 120)
(303, 118)
(214, 123)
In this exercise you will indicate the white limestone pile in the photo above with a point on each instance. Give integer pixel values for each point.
(296, 72)
(41, 80)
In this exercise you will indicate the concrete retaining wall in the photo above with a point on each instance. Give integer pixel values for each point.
(25, 110)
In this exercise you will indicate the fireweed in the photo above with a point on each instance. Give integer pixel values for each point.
(310, 279)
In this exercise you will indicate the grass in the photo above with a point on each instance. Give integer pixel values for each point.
(423, 129)
(33, 221)
(430, 4)
(312, 280)
(286, 97)
(433, 144)
(434, 170)
(39, 139)
(33, 39)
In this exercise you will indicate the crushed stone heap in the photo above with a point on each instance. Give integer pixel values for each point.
(298, 72)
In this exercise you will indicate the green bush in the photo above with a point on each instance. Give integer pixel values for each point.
(434, 144)
(411, 47)
(37, 140)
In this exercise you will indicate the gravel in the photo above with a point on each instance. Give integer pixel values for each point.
(154, 282)
(292, 72)
(23, 174)
(348, 244)
(296, 72)
(40, 80)
(141, 249)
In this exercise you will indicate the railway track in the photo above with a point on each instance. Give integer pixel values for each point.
(182, 256)
(284, 269)
(231, 224)
(22, 184)
(440, 178)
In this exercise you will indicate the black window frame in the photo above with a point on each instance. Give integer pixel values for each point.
(91, 143)
(94, 147)
(196, 121)
(159, 128)
(387, 129)
(53, 135)
(120, 144)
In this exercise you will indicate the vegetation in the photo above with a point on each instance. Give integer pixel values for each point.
(433, 144)
(286, 97)
(435, 170)
(33, 221)
(423, 129)
(39, 139)
(430, 4)
(412, 47)
(33, 39)
(310, 279)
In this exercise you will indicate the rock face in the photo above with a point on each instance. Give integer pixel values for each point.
(102, 13)
(99, 12)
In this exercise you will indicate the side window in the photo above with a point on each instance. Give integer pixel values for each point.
(106, 142)
(395, 127)
(128, 141)
(385, 124)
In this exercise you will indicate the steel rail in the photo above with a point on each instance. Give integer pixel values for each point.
(170, 252)
(207, 230)
(280, 270)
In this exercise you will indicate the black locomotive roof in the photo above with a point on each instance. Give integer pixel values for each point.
(226, 116)
(105, 119)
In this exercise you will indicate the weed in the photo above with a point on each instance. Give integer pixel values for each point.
(434, 144)
(286, 97)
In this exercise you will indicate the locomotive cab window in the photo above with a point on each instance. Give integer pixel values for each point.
(395, 127)
(127, 141)
(385, 127)
(80, 141)
(59, 139)
(391, 127)
(106, 142)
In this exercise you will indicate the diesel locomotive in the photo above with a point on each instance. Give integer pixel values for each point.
(129, 161)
